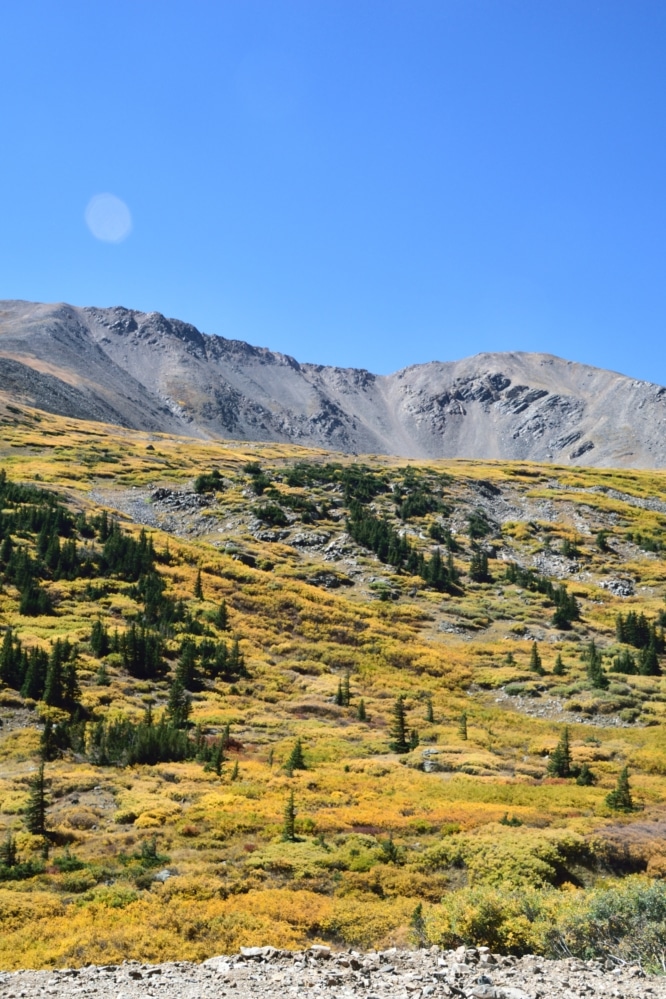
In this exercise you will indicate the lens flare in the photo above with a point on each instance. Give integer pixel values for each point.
(108, 218)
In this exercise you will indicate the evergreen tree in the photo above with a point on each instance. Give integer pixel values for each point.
(296, 759)
(535, 660)
(585, 776)
(222, 617)
(360, 711)
(198, 587)
(413, 739)
(186, 670)
(462, 726)
(99, 640)
(235, 773)
(558, 668)
(346, 690)
(620, 799)
(478, 567)
(289, 824)
(648, 661)
(217, 757)
(54, 687)
(8, 852)
(429, 715)
(71, 688)
(595, 670)
(179, 705)
(398, 734)
(338, 695)
(559, 764)
(102, 677)
(624, 662)
(35, 814)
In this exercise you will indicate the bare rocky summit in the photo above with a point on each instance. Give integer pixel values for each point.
(145, 371)
(467, 973)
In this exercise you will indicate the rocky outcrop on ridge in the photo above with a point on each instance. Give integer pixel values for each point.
(467, 973)
(145, 371)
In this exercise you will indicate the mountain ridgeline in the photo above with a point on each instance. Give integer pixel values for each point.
(147, 372)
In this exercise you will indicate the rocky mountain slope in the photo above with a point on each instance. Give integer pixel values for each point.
(151, 373)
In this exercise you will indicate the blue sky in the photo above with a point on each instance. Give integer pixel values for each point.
(369, 183)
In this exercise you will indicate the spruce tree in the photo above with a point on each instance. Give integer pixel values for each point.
(296, 759)
(462, 726)
(8, 852)
(222, 617)
(289, 824)
(217, 757)
(99, 640)
(179, 705)
(558, 668)
(346, 690)
(595, 670)
(399, 737)
(648, 662)
(186, 670)
(235, 773)
(429, 715)
(102, 677)
(360, 711)
(413, 739)
(35, 814)
(559, 764)
(535, 660)
(620, 799)
(198, 587)
(585, 776)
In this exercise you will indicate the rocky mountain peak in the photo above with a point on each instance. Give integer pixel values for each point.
(150, 372)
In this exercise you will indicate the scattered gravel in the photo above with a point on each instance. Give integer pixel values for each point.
(467, 973)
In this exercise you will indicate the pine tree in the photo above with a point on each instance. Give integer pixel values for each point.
(620, 799)
(198, 587)
(430, 714)
(558, 668)
(462, 726)
(289, 824)
(338, 695)
(559, 764)
(99, 640)
(399, 741)
(35, 814)
(296, 759)
(535, 660)
(360, 711)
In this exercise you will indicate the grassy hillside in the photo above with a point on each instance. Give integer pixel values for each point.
(213, 617)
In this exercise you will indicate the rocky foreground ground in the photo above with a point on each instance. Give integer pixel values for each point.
(265, 972)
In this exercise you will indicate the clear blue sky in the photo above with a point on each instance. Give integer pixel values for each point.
(358, 182)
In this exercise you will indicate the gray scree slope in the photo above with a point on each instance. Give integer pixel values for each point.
(147, 372)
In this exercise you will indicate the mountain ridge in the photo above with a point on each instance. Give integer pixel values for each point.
(147, 372)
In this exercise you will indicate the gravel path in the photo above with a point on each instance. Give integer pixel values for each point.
(265, 972)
